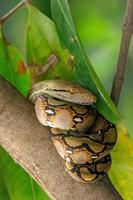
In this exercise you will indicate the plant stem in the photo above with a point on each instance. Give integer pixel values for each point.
(12, 11)
(124, 47)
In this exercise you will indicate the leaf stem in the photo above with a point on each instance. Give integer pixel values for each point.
(124, 47)
(12, 11)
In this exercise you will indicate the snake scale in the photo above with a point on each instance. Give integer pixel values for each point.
(82, 137)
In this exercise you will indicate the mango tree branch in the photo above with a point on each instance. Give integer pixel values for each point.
(29, 143)
(12, 11)
(124, 47)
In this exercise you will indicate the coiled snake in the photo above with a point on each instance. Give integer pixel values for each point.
(82, 137)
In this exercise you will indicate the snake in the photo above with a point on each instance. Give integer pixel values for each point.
(81, 135)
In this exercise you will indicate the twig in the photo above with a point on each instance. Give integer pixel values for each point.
(12, 11)
(50, 62)
(124, 47)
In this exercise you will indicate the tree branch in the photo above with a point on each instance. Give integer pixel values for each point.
(32, 148)
(12, 11)
(124, 47)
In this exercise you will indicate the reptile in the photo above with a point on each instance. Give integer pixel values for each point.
(82, 137)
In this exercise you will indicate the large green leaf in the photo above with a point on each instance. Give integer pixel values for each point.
(17, 184)
(42, 42)
(121, 172)
(12, 66)
(83, 71)
(3, 191)
(4, 71)
(20, 72)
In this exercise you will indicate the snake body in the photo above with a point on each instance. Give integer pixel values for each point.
(89, 172)
(82, 137)
(63, 115)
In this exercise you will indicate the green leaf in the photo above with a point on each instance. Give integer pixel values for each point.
(42, 42)
(12, 66)
(121, 173)
(4, 71)
(3, 192)
(19, 185)
(21, 74)
(19, 69)
(83, 71)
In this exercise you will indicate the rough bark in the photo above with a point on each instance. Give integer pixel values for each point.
(29, 143)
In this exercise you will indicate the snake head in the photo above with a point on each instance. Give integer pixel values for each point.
(63, 90)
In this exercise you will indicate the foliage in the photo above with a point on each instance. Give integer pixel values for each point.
(3, 192)
(12, 65)
(42, 41)
(16, 183)
(83, 71)
(121, 172)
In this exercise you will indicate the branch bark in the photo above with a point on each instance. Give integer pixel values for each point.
(124, 47)
(32, 148)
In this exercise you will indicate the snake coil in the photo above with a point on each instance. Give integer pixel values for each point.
(82, 137)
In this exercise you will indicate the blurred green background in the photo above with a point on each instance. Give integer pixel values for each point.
(99, 24)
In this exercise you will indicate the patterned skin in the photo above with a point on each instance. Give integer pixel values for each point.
(85, 147)
(63, 90)
(82, 137)
(63, 115)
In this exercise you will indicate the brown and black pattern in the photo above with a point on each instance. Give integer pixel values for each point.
(64, 115)
(82, 137)
(87, 146)
(90, 171)
(63, 90)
